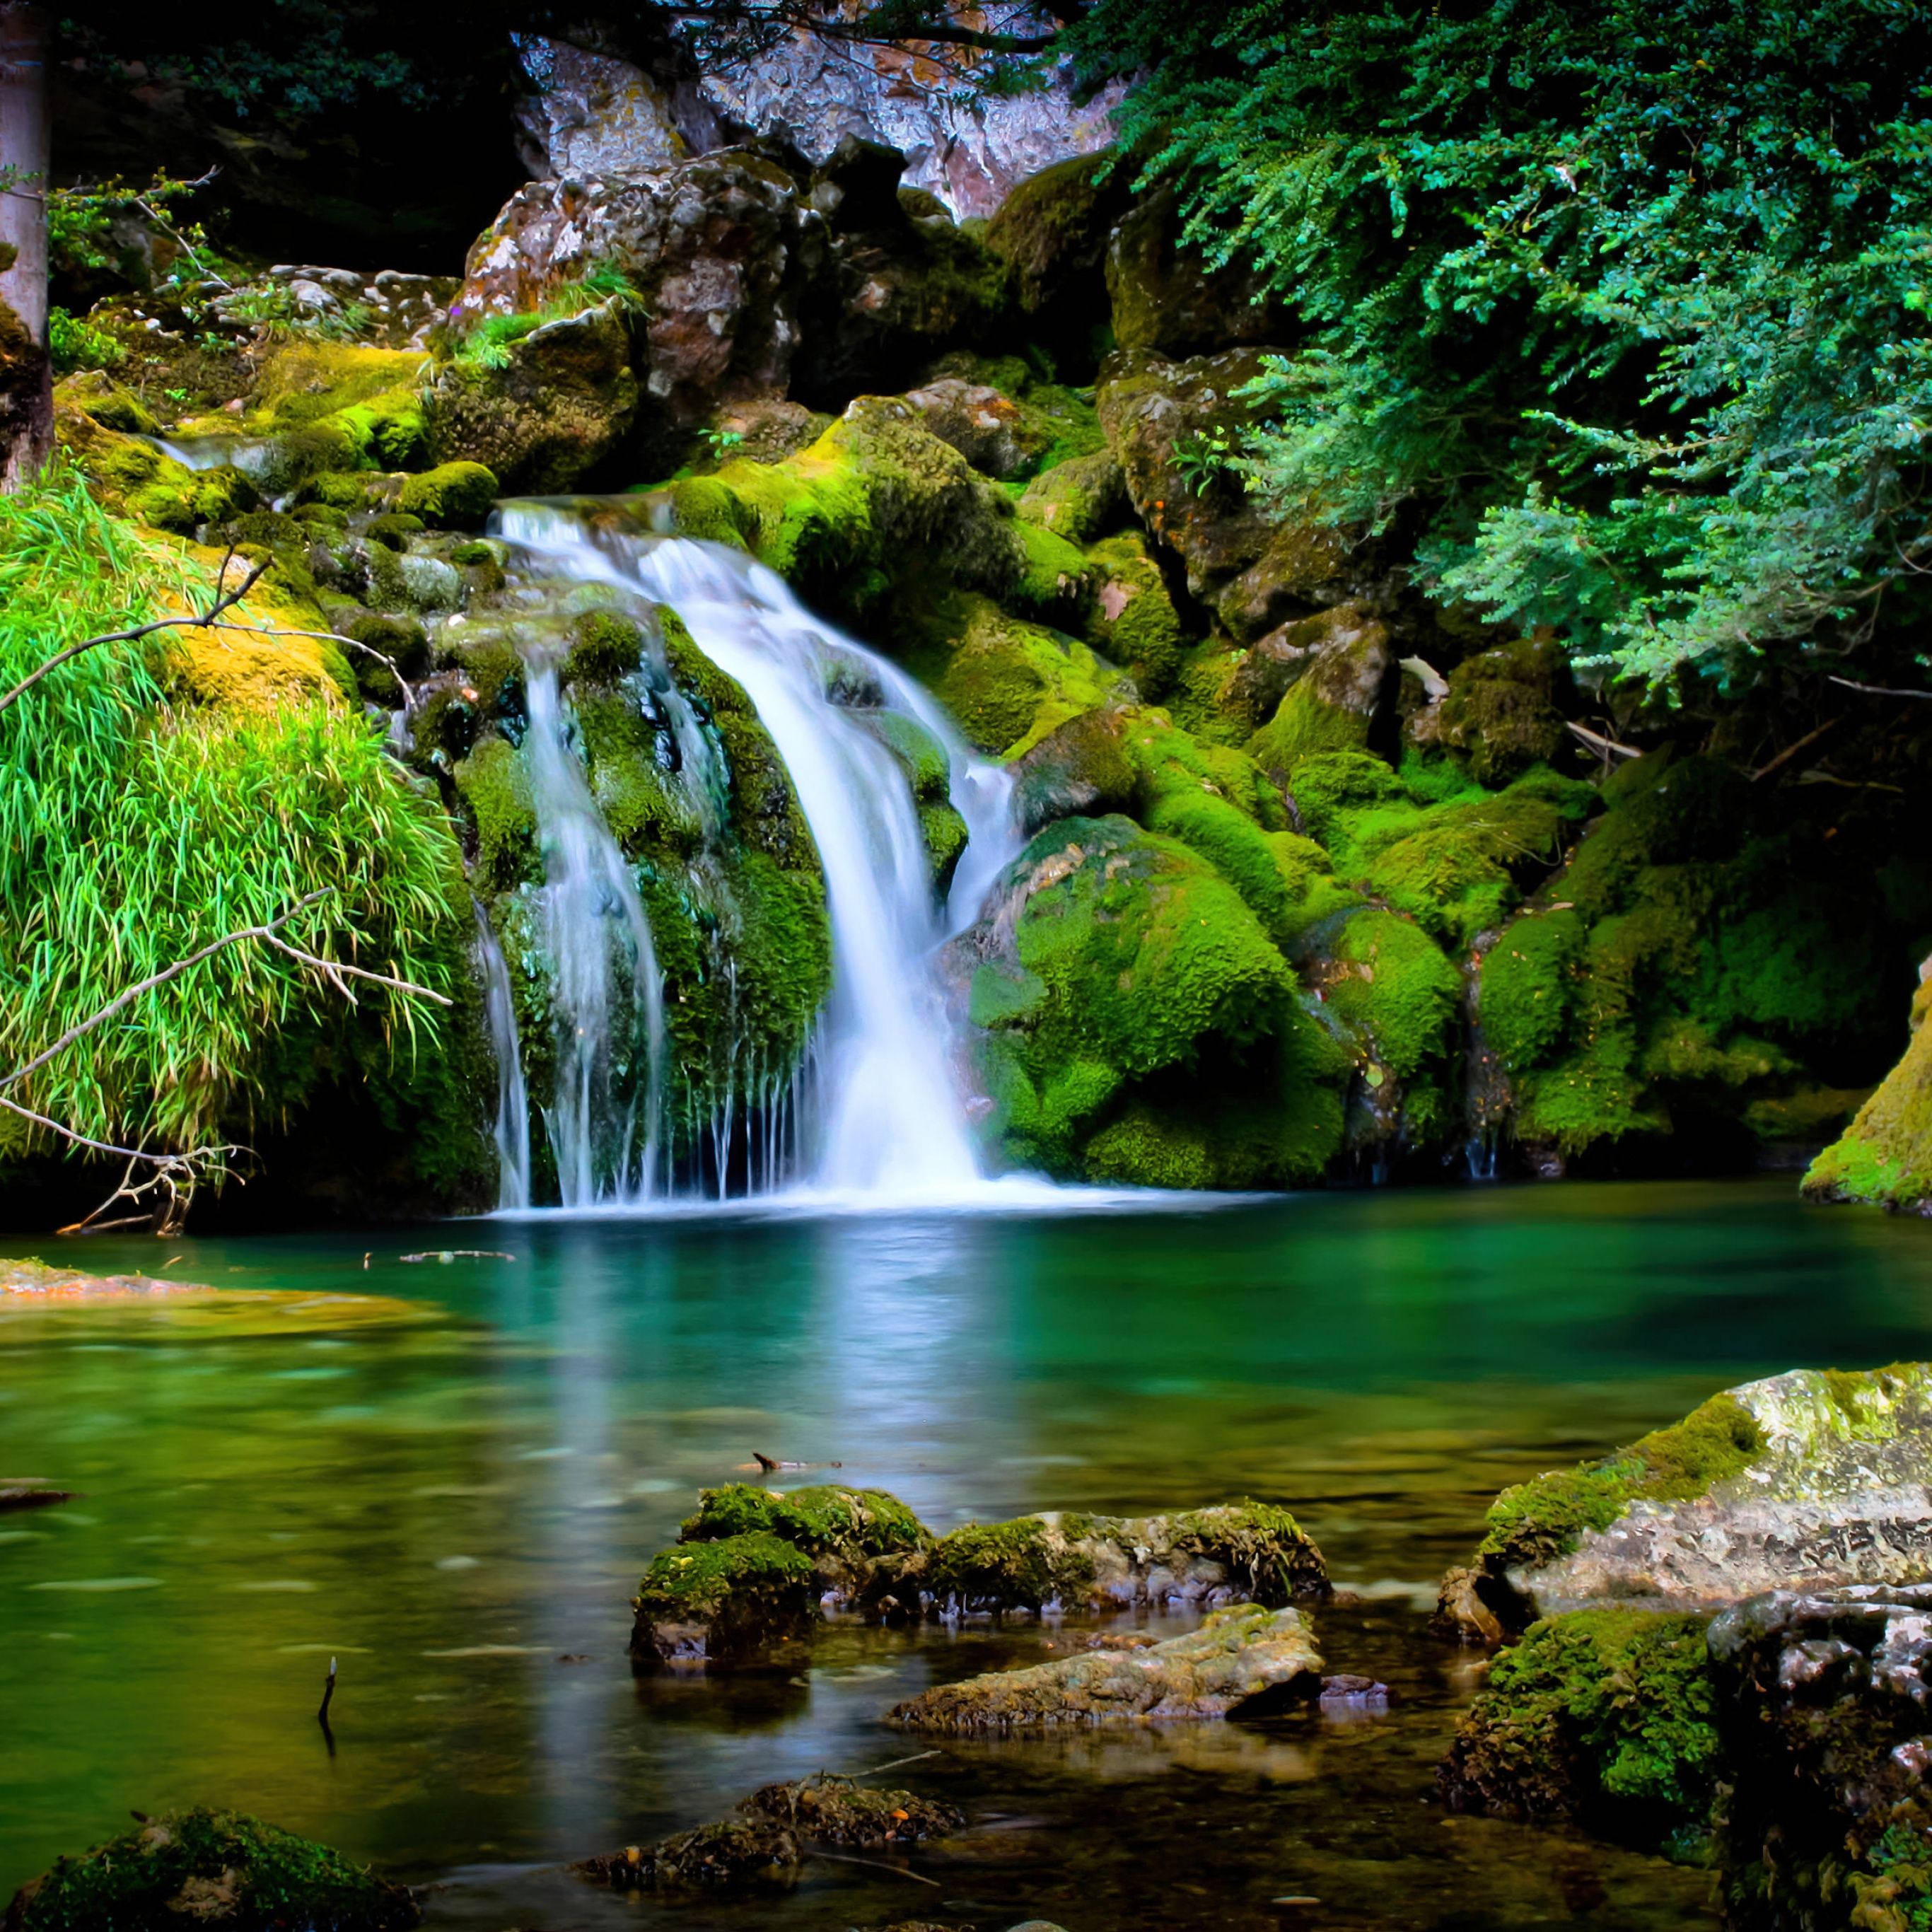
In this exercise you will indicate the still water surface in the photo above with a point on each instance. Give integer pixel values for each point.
(456, 1502)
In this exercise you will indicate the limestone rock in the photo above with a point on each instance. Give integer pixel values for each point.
(969, 154)
(592, 114)
(1811, 1480)
(1242, 1660)
(993, 433)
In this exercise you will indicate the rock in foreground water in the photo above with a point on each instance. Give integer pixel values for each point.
(1244, 1660)
(209, 1868)
(1813, 1478)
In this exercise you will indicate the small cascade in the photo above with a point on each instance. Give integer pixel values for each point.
(605, 1123)
(512, 1134)
(876, 1111)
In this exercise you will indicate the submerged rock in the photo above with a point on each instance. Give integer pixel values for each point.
(1812, 1478)
(1242, 1660)
(213, 1868)
(771, 1839)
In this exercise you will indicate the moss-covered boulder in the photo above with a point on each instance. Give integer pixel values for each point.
(1052, 231)
(729, 1600)
(727, 1855)
(215, 1868)
(1249, 1553)
(829, 1810)
(1345, 690)
(1131, 620)
(1505, 709)
(1608, 1717)
(1166, 298)
(856, 1538)
(1078, 499)
(542, 415)
(1120, 982)
(1811, 1477)
(1242, 1661)
(1885, 1157)
(451, 496)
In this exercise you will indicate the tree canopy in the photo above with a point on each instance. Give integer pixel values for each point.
(1620, 306)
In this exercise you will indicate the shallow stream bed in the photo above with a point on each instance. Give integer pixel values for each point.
(456, 1500)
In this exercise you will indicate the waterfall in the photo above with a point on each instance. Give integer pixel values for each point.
(882, 1116)
(512, 1134)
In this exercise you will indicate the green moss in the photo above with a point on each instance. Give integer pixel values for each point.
(825, 1520)
(921, 757)
(1132, 619)
(1886, 1155)
(1015, 1565)
(453, 496)
(605, 646)
(1260, 1544)
(494, 784)
(1006, 684)
(1079, 500)
(218, 1866)
(1306, 723)
(1055, 581)
(1534, 1523)
(1391, 981)
(1505, 709)
(1528, 987)
(1606, 1716)
(749, 1581)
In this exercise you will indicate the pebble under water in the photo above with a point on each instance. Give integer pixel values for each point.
(455, 1500)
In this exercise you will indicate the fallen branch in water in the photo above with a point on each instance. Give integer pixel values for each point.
(455, 1255)
(875, 1865)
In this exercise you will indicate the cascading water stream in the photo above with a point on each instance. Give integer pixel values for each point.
(885, 1119)
(608, 994)
(513, 1101)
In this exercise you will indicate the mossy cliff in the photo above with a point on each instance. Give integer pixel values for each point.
(1885, 1155)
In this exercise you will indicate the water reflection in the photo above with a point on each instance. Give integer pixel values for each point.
(455, 1497)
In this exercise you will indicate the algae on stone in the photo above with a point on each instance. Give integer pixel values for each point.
(1242, 1660)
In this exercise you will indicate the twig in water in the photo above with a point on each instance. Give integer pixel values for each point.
(875, 1865)
(917, 1757)
(328, 1696)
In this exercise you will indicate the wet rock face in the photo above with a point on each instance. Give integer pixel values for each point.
(1164, 297)
(211, 1868)
(1242, 1660)
(592, 114)
(1829, 1822)
(1816, 1478)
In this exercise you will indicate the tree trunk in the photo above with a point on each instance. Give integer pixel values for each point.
(26, 375)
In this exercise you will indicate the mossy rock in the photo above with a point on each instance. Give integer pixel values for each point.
(216, 1868)
(452, 496)
(824, 1519)
(1131, 620)
(1505, 709)
(1347, 690)
(1080, 500)
(1605, 1716)
(605, 647)
(722, 1602)
(1534, 1523)
(493, 783)
(1885, 1157)
(1056, 585)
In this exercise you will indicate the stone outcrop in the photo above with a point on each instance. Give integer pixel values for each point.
(1242, 1660)
(1811, 1480)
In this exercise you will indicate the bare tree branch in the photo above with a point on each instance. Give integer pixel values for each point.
(1876, 690)
(225, 602)
(83, 1027)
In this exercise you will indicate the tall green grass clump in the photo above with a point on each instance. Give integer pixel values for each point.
(134, 831)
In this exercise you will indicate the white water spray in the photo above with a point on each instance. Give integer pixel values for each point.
(513, 1101)
(888, 1122)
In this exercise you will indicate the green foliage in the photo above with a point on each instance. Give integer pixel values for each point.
(1535, 1523)
(1627, 303)
(272, 308)
(75, 343)
(487, 342)
(132, 834)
